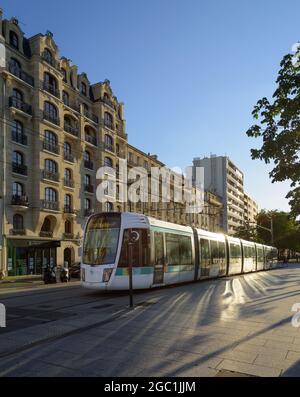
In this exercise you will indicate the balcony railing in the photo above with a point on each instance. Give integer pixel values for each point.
(51, 117)
(91, 139)
(88, 212)
(68, 235)
(19, 168)
(89, 188)
(18, 232)
(69, 157)
(50, 205)
(71, 129)
(19, 137)
(19, 200)
(51, 147)
(19, 104)
(107, 102)
(51, 61)
(50, 88)
(18, 72)
(73, 106)
(88, 164)
(68, 182)
(44, 233)
(68, 209)
(109, 147)
(91, 116)
(52, 176)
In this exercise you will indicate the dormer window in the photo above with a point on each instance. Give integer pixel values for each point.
(13, 39)
(83, 89)
(48, 57)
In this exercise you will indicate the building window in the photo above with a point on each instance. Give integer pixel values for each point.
(68, 227)
(50, 194)
(66, 98)
(108, 162)
(17, 132)
(18, 189)
(50, 84)
(64, 73)
(50, 142)
(108, 120)
(87, 180)
(17, 96)
(87, 156)
(51, 166)
(18, 222)
(14, 39)
(108, 142)
(47, 55)
(50, 111)
(83, 89)
(68, 174)
(18, 158)
(87, 204)
(109, 207)
(68, 202)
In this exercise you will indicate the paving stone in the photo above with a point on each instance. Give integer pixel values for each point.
(251, 369)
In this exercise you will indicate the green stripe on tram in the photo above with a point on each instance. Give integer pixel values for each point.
(124, 271)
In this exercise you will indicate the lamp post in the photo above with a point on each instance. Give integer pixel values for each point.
(133, 238)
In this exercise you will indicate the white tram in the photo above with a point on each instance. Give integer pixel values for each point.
(165, 253)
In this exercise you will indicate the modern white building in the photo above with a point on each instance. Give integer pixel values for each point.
(222, 177)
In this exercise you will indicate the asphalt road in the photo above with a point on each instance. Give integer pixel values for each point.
(238, 326)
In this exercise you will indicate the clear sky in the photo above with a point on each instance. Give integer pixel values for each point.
(189, 71)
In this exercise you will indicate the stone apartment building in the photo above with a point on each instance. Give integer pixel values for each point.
(57, 129)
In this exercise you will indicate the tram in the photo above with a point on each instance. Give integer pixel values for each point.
(164, 254)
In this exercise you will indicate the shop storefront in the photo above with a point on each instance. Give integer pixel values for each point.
(26, 257)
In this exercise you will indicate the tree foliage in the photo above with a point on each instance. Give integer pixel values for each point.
(278, 124)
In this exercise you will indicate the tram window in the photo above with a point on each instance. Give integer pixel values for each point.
(235, 251)
(222, 253)
(260, 256)
(159, 248)
(185, 250)
(140, 250)
(172, 249)
(204, 249)
(214, 251)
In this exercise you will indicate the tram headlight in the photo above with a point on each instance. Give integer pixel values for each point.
(106, 275)
(82, 274)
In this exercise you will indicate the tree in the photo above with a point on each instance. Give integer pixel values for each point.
(279, 128)
(286, 230)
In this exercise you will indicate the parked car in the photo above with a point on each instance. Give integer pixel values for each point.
(74, 270)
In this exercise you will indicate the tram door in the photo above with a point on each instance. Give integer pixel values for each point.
(159, 258)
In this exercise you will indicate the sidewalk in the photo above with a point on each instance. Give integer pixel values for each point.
(15, 283)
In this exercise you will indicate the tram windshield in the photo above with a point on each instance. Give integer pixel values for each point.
(101, 239)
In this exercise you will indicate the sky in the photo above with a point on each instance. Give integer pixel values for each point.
(188, 71)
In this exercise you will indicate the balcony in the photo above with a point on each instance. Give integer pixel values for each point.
(19, 168)
(88, 212)
(51, 147)
(91, 139)
(68, 182)
(44, 233)
(50, 205)
(21, 201)
(50, 88)
(19, 138)
(20, 105)
(68, 236)
(88, 164)
(108, 125)
(51, 117)
(52, 176)
(69, 157)
(91, 116)
(89, 188)
(71, 129)
(72, 106)
(69, 210)
(107, 102)
(18, 232)
(51, 61)
(109, 147)
(16, 71)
